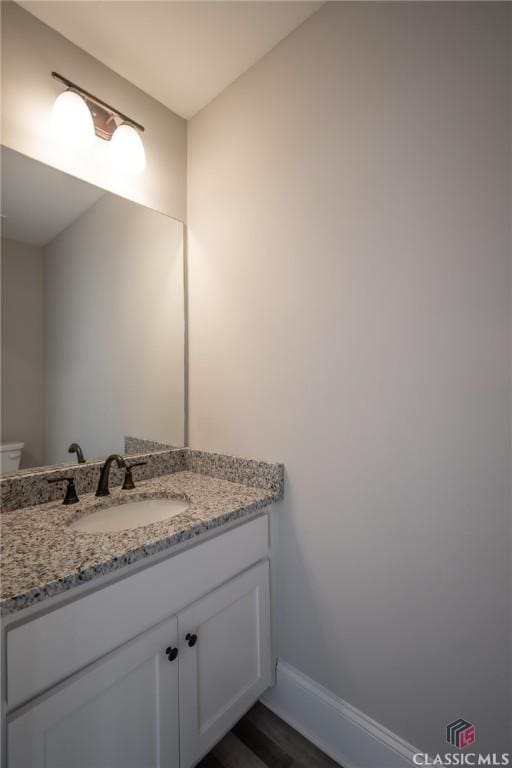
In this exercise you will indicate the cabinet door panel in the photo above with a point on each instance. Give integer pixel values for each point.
(120, 713)
(229, 666)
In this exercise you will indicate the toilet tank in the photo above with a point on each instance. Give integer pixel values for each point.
(10, 456)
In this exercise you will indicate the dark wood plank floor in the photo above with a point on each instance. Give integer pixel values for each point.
(263, 740)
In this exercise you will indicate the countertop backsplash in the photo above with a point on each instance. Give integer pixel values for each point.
(27, 488)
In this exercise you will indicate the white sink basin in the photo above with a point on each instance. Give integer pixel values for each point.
(133, 514)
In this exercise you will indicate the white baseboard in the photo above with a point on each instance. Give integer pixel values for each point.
(343, 732)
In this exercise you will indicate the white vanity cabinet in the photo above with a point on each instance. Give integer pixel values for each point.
(119, 713)
(164, 695)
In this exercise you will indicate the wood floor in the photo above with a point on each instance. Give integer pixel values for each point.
(262, 740)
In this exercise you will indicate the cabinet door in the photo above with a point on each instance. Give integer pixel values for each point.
(228, 666)
(121, 712)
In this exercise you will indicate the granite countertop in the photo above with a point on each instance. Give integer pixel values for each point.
(42, 556)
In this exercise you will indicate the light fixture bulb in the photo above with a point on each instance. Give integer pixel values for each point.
(72, 119)
(127, 150)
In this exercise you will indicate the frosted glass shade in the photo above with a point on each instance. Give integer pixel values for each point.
(72, 120)
(127, 150)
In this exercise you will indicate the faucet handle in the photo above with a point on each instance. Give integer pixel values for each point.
(128, 484)
(71, 496)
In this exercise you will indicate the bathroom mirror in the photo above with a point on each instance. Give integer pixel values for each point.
(92, 301)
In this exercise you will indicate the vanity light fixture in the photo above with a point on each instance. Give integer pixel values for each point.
(72, 119)
(79, 115)
(127, 149)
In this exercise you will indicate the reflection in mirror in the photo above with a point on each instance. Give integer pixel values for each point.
(92, 304)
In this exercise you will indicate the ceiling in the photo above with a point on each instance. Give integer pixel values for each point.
(38, 202)
(181, 53)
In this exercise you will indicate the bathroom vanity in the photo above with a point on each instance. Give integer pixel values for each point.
(139, 647)
(137, 616)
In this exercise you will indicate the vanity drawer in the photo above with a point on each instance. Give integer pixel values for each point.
(48, 649)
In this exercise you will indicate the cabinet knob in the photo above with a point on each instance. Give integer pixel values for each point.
(191, 640)
(171, 653)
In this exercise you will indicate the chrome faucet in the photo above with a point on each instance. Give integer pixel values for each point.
(102, 489)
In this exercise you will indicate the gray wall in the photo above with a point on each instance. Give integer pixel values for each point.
(22, 415)
(114, 330)
(350, 315)
(30, 52)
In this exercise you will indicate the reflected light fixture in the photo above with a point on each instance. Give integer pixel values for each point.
(78, 115)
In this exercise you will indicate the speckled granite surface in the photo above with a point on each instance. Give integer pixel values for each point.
(31, 487)
(141, 445)
(262, 474)
(42, 556)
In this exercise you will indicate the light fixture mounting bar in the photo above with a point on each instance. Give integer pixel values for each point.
(90, 97)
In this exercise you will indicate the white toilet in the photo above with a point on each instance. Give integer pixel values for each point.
(10, 456)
